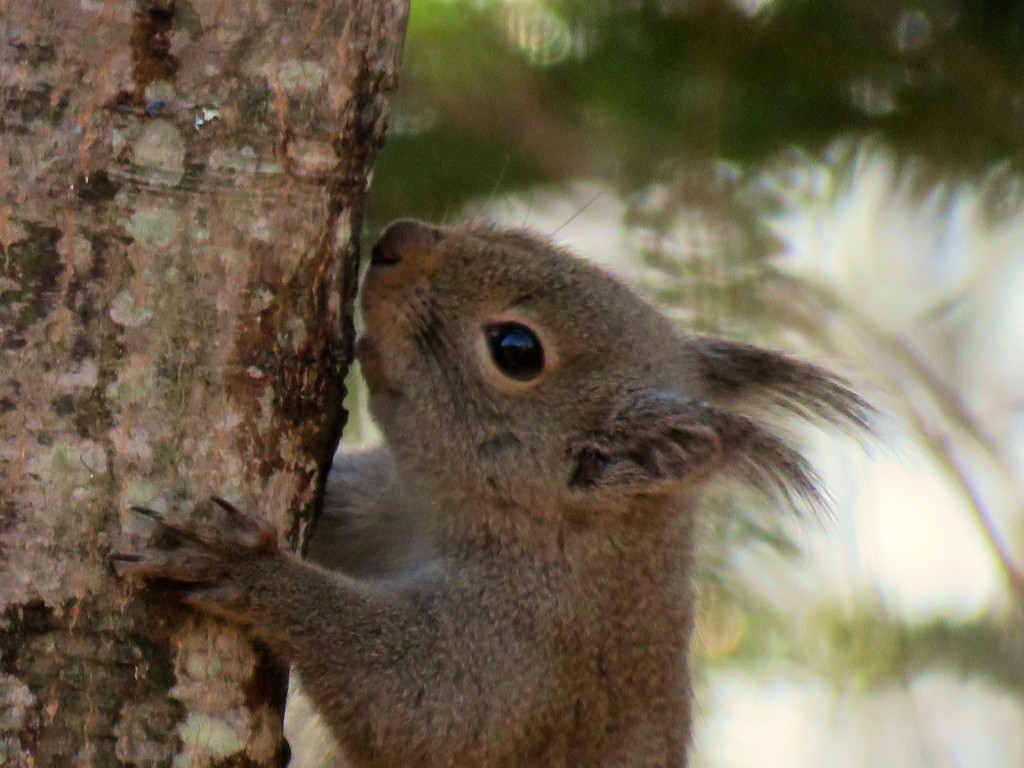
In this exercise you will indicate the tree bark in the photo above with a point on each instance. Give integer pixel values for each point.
(181, 191)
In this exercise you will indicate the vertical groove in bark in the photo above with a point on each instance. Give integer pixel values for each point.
(181, 188)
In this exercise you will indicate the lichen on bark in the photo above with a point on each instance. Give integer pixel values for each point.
(181, 190)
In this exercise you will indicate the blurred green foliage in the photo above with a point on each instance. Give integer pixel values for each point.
(502, 95)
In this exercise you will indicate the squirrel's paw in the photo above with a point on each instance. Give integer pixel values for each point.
(205, 560)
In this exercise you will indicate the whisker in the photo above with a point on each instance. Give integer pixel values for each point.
(580, 212)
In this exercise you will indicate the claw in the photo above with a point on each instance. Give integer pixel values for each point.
(115, 558)
(184, 531)
(223, 526)
(147, 512)
(228, 507)
(186, 566)
(123, 563)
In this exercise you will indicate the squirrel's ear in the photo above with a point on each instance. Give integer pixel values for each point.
(659, 440)
(735, 373)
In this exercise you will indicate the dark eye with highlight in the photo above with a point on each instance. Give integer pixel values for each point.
(516, 350)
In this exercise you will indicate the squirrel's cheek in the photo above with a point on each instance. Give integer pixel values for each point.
(370, 363)
(384, 362)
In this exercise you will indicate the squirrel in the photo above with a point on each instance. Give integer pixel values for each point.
(508, 579)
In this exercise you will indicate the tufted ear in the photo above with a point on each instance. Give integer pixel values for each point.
(659, 440)
(735, 373)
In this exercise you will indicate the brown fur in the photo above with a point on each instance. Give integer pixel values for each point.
(519, 556)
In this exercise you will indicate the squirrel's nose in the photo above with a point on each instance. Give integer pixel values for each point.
(401, 239)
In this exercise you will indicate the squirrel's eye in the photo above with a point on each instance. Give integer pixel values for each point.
(516, 350)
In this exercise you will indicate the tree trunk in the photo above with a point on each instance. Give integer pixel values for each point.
(181, 191)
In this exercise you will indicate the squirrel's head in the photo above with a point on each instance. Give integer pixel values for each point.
(503, 367)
